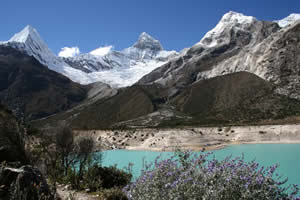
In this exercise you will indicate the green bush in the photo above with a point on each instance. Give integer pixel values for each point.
(108, 177)
(96, 178)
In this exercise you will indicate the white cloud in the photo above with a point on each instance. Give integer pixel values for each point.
(69, 52)
(101, 51)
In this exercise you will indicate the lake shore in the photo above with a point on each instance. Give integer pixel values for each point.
(196, 139)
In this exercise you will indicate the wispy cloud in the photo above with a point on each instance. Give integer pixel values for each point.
(69, 52)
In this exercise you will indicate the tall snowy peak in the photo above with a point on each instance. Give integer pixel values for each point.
(26, 34)
(30, 42)
(228, 21)
(146, 41)
(291, 19)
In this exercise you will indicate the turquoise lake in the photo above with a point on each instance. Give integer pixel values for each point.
(286, 155)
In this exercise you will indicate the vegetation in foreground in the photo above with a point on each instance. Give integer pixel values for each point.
(72, 161)
(188, 176)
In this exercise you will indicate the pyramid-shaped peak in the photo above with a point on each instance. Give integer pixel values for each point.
(23, 35)
(146, 41)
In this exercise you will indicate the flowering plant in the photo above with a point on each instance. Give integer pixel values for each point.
(187, 175)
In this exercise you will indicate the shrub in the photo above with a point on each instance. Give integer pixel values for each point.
(192, 176)
(96, 178)
(107, 177)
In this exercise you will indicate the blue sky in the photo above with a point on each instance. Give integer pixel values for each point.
(92, 23)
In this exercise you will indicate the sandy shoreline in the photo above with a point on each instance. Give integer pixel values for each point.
(197, 139)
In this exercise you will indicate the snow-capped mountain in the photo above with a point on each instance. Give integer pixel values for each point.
(230, 20)
(238, 43)
(123, 68)
(291, 19)
(117, 68)
(30, 42)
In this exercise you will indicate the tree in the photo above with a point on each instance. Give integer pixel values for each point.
(65, 145)
(83, 151)
(56, 151)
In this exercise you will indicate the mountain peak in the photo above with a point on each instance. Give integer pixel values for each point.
(146, 41)
(235, 17)
(228, 21)
(292, 18)
(23, 35)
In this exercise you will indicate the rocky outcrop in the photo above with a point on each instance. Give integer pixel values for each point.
(25, 183)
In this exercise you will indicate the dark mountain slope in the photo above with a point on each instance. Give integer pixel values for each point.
(235, 98)
(31, 89)
(128, 103)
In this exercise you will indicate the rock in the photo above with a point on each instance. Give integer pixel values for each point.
(26, 180)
